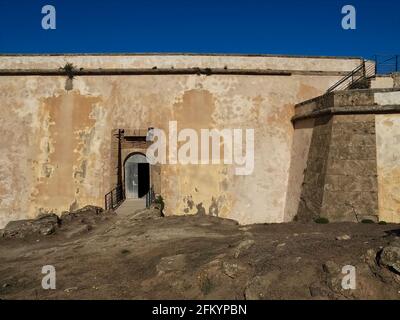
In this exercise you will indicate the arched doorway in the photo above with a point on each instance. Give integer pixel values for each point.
(137, 176)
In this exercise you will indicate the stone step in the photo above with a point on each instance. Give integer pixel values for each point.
(386, 81)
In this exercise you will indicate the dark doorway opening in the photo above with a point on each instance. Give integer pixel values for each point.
(143, 179)
(137, 176)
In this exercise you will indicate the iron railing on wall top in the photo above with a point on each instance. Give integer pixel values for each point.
(359, 78)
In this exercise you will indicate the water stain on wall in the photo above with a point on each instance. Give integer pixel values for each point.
(70, 131)
(187, 189)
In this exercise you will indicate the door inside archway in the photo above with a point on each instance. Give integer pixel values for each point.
(137, 176)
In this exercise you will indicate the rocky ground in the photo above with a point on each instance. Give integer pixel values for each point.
(100, 255)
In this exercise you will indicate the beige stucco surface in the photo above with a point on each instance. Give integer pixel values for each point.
(388, 165)
(387, 98)
(56, 144)
(179, 61)
(382, 82)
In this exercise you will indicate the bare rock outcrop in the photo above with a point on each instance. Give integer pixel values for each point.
(45, 224)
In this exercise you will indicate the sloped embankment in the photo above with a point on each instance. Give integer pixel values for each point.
(99, 255)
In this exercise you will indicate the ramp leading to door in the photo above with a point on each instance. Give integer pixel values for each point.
(129, 206)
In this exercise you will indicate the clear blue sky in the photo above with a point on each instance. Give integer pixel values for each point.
(308, 27)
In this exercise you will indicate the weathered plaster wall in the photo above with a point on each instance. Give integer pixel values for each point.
(180, 61)
(56, 144)
(388, 164)
(51, 141)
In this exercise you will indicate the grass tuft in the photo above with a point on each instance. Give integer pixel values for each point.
(367, 221)
(321, 220)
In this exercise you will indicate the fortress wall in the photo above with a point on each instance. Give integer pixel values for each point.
(388, 165)
(352, 167)
(56, 144)
(125, 61)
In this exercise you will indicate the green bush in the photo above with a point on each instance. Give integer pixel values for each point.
(321, 220)
(382, 222)
(159, 200)
(69, 70)
(367, 221)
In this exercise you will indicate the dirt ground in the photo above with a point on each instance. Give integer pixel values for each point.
(100, 255)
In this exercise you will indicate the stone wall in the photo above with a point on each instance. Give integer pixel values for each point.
(56, 144)
(353, 160)
(339, 157)
(350, 189)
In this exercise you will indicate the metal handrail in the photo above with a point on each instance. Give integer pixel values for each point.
(114, 198)
(364, 72)
(150, 197)
(347, 77)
